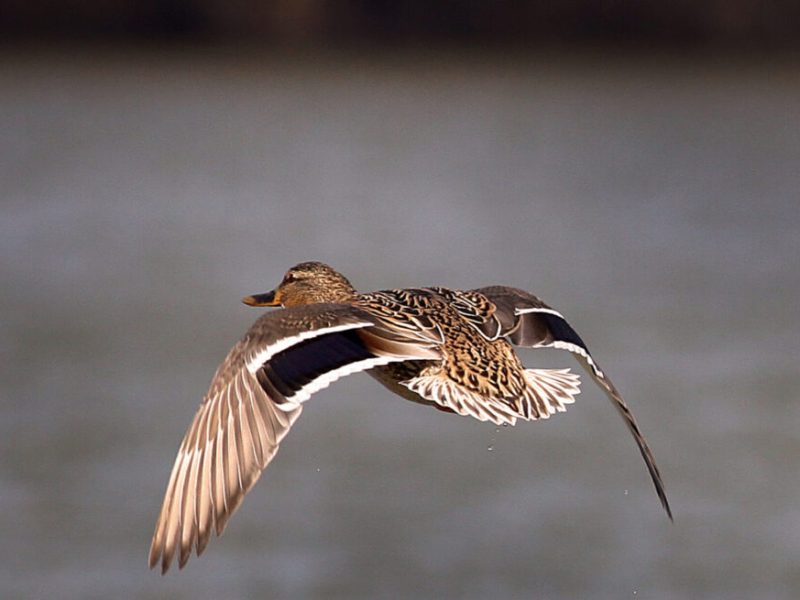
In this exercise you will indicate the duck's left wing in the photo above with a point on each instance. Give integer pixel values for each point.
(254, 398)
(527, 321)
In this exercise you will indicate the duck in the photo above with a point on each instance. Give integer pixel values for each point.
(453, 350)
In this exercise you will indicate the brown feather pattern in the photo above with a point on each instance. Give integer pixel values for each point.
(446, 348)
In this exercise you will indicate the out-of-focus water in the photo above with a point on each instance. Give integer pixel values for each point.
(654, 202)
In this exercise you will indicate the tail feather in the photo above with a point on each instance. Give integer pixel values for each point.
(454, 397)
(547, 392)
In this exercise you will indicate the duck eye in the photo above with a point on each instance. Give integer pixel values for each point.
(290, 277)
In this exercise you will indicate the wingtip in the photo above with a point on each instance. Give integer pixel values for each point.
(153, 557)
(667, 508)
(184, 557)
(658, 483)
(166, 561)
(202, 542)
(644, 449)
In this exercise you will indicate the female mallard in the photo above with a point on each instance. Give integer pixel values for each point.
(450, 349)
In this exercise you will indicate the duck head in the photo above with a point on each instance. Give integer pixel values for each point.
(306, 283)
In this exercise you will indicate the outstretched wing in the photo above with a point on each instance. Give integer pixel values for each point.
(254, 398)
(527, 321)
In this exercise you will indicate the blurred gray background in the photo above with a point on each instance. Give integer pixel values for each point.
(638, 169)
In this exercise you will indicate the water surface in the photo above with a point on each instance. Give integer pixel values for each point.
(653, 202)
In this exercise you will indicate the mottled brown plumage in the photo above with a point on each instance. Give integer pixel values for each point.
(446, 348)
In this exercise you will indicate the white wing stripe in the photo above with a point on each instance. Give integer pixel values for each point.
(575, 349)
(324, 380)
(257, 360)
(549, 311)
